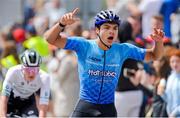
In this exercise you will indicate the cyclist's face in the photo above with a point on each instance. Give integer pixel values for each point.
(108, 32)
(30, 72)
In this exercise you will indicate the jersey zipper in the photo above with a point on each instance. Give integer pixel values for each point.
(102, 76)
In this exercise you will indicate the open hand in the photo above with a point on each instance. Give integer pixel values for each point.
(69, 18)
(157, 34)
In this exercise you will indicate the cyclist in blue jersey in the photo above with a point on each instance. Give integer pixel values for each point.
(100, 60)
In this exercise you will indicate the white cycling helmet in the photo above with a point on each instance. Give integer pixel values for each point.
(31, 58)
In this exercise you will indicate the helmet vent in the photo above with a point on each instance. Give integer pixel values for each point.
(105, 17)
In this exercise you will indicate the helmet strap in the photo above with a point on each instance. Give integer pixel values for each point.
(103, 42)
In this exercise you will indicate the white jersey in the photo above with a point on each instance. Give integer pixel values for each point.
(16, 83)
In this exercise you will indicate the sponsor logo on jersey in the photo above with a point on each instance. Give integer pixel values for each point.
(33, 85)
(94, 59)
(101, 73)
(7, 88)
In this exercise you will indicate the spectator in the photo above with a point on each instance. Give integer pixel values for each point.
(171, 94)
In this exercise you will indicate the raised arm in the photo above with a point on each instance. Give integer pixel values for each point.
(53, 34)
(158, 50)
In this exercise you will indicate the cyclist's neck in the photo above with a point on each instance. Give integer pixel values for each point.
(101, 45)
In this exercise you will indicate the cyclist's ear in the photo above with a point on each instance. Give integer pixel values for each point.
(97, 30)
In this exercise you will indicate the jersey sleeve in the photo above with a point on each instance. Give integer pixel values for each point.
(45, 90)
(134, 52)
(77, 44)
(7, 84)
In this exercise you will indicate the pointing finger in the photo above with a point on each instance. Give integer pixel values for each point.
(75, 11)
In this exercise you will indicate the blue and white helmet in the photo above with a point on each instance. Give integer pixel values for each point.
(105, 17)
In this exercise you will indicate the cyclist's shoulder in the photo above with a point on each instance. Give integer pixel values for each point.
(76, 38)
(15, 69)
(122, 45)
(80, 39)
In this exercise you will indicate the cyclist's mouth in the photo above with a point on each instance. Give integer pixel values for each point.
(31, 77)
(110, 38)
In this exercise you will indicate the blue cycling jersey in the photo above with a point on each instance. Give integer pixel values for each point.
(99, 70)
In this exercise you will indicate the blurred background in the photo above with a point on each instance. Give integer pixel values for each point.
(15, 9)
(23, 23)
